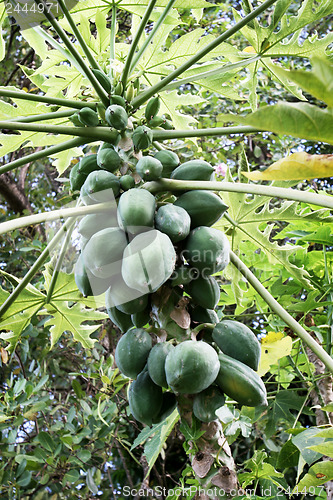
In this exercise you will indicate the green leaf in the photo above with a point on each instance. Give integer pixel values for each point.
(319, 473)
(259, 469)
(303, 440)
(325, 448)
(90, 482)
(288, 456)
(280, 407)
(71, 476)
(46, 441)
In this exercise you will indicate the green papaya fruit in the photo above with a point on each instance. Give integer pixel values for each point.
(191, 367)
(119, 89)
(207, 249)
(156, 363)
(116, 117)
(204, 207)
(205, 291)
(87, 283)
(92, 223)
(103, 79)
(238, 341)
(169, 404)
(201, 315)
(194, 170)
(207, 402)
(169, 160)
(240, 382)
(76, 179)
(173, 221)
(102, 186)
(157, 121)
(89, 117)
(136, 210)
(130, 92)
(152, 108)
(108, 159)
(183, 275)
(82, 242)
(126, 299)
(121, 320)
(74, 118)
(142, 318)
(145, 399)
(84, 195)
(142, 137)
(127, 182)
(113, 139)
(118, 99)
(167, 125)
(149, 168)
(103, 252)
(88, 164)
(148, 261)
(132, 352)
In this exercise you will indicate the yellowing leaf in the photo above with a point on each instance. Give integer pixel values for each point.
(249, 49)
(273, 347)
(298, 166)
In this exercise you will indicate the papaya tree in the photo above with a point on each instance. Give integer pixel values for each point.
(193, 255)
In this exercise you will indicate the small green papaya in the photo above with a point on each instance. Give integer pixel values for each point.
(121, 320)
(145, 399)
(204, 207)
(142, 318)
(207, 249)
(173, 221)
(201, 315)
(103, 79)
(119, 89)
(85, 198)
(142, 137)
(132, 352)
(194, 170)
(191, 367)
(127, 182)
(149, 168)
(118, 99)
(136, 210)
(157, 121)
(92, 223)
(156, 363)
(205, 291)
(108, 159)
(167, 125)
(103, 252)
(152, 108)
(76, 179)
(116, 117)
(207, 402)
(169, 160)
(74, 118)
(88, 116)
(238, 341)
(169, 404)
(183, 275)
(88, 164)
(102, 186)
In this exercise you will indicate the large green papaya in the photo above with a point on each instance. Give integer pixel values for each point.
(102, 186)
(194, 170)
(142, 137)
(204, 207)
(116, 117)
(201, 315)
(126, 299)
(169, 404)
(173, 221)
(148, 261)
(191, 367)
(103, 252)
(132, 351)
(205, 291)
(88, 164)
(88, 284)
(76, 178)
(169, 161)
(207, 249)
(145, 399)
(207, 402)
(108, 159)
(240, 382)
(136, 210)
(149, 168)
(238, 341)
(156, 363)
(92, 223)
(121, 320)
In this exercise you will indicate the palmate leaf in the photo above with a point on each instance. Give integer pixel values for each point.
(280, 410)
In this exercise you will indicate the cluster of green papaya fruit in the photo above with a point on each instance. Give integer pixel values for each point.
(145, 242)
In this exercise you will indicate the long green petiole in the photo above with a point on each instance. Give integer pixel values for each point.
(163, 135)
(135, 42)
(282, 313)
(56, 101)
(43, 117)
(238, 187)
(144, 96)
(113, 39)
(42, 154)
(72, 49)
(34, 268)
(151, 35)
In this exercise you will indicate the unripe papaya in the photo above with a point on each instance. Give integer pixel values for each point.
(136, 210)
(103, 252)
(92, 223)
(183, 275)
(103, 79)
(157, 121)
(88, 164)
(127, 182)
(102, 186)
(167, 125)
(86, 200)
(145, 399)
(156, 363)
(194, 170)
(201, 315)
(169, 404)
(121, 320)
(142, 318)
(204, 207)
(108, 159)
(119, 89)
(88, 284)
(240, 382)
(89, 117)
(148, 261)
(74, 118)
(207, 249)
(76, 178)
(149, 168)
(169, 160)
(205, 291)
(207, 402)
(130, 92)
(142, 137)
(132, 352)
(173, 221)
(152, 108)
(238, 341)
(191, 367)
(126, 299)
(119, 100)
(116, 117)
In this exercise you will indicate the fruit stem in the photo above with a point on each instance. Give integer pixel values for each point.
(281, 312)
(68, 103)
(239, 187)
